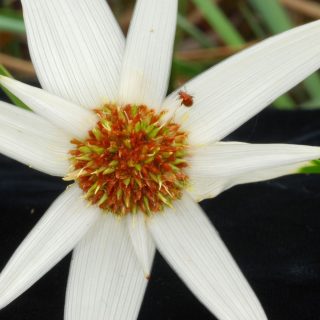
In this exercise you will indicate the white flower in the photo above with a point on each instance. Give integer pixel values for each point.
(82, 63)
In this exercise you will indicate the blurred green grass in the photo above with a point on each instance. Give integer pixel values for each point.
(208, 31)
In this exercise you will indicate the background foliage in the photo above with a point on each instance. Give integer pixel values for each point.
(208, 31)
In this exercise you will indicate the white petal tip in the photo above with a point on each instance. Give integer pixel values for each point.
(3, 79)
(3, 303)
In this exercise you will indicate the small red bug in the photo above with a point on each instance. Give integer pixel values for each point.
(186, 98)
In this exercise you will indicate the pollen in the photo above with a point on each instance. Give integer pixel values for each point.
(131, 161)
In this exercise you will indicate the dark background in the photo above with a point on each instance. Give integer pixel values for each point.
(271, 228)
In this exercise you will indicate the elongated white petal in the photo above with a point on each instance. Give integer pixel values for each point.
(44, 155)
(205, 188)
(106, 280)
(148, 55)
(26, 137)
(230, 93)
(58, 231)
(219, 166)
(63, 114)
(76, 47)
(29, 121)
(191, 245)
(142, 241)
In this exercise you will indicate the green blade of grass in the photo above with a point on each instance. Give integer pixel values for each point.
(285, 102)
(312, 84)
(11, 24)
(232, 37)
(16, 101)
(189, 28)
(182, 10)
(184, 71)
(311, 104)
(188, 69)
(251, 20)
(277, 20)
(219, 22)
(273, 14)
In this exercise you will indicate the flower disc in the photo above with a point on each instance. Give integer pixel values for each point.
(131, 161)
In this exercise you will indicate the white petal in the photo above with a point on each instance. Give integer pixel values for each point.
(229, 94)
(76, 47)
(142, 241)
(148, 55)
(106, 280)
(65, 115)
(204, 188)
(222, 165)
(26, 137)
(190, 244)
(61, 227)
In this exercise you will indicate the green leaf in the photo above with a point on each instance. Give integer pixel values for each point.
(309, 170)
(314, 167)
(16, 101)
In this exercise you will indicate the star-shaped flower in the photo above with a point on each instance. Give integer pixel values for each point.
(140, 161)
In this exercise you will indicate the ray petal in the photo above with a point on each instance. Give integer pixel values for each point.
(76, 47)
(26, 137)
(63, 114)
(148, 55)
(55, 235)
(220, 166)
(142, 241)
(106, 280)
(191, 245)
(230, 93)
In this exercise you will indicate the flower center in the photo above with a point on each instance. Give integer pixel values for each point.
(130, 161)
